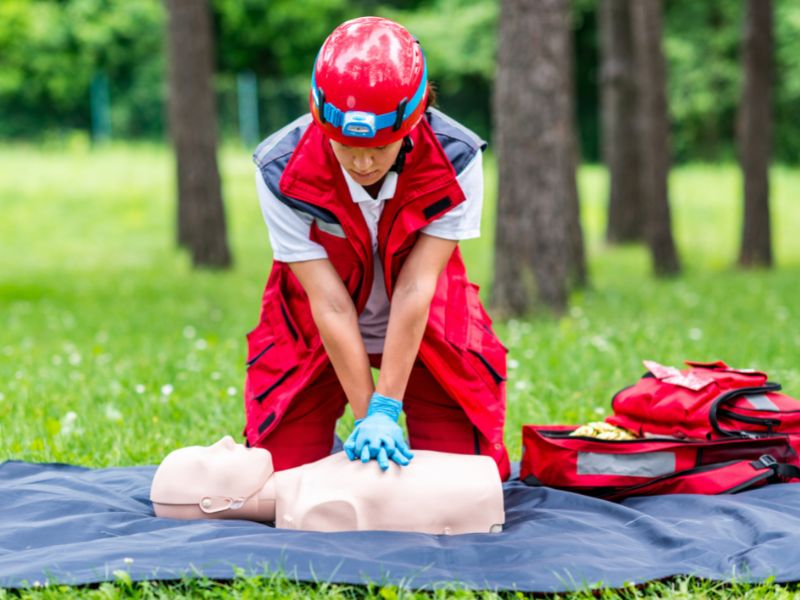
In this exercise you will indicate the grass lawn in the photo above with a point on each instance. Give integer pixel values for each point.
(113, 351)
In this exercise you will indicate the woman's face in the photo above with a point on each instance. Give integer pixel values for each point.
(366, 165)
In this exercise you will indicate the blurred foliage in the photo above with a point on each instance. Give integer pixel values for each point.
(704, 75)
(51, 49)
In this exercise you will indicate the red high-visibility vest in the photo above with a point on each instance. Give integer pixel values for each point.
(285, 351)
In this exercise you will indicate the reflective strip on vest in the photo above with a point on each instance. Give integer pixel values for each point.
(651, 464)
(761, 402)
(331, 228)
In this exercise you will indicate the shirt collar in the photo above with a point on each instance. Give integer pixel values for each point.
(359, 194)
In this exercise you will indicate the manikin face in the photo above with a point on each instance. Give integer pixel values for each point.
(366, 165)
(223, 469)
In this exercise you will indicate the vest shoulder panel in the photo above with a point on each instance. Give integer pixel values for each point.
(460, 144)
(271, 157)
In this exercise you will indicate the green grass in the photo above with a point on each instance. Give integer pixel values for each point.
(113, 351)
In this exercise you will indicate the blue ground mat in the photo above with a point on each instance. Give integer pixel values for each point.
(75, 525)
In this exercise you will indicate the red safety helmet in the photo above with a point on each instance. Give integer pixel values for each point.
(369, 86)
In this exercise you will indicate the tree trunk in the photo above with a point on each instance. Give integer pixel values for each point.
(578, 271)
(653, 137)
(618, 109)
(755, 133)
(533, 121)
(193, 129)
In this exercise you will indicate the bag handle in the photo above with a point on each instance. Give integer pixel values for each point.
(713, 417)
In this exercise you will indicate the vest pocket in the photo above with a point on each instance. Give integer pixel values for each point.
(272, 360)
(274, 350)
(283, 325)
(253, 359)
(468, 327)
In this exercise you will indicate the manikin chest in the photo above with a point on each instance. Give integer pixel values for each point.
(437, 493)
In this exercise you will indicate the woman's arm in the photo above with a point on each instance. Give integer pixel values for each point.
(411, 300)
(337, 321)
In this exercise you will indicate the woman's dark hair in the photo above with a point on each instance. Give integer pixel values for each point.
(432, 95)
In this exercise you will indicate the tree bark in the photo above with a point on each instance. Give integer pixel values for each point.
(578, 271)
(618, 121)
(755, 133)
(653, 137)
(535, 146)
(193, 128)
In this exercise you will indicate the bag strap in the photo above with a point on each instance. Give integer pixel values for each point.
(783, 471)
(719, 478)
(713, 413)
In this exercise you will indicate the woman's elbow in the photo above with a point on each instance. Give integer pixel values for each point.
(336, 305)
(421, 291)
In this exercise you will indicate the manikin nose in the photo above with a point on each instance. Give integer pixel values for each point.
(227, 443)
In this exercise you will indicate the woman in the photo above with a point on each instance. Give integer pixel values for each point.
(365, 200)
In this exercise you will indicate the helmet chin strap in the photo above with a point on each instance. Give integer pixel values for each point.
(400, 161)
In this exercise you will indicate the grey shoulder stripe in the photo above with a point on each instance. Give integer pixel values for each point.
(331, 228)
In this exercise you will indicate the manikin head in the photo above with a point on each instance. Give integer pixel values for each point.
(222, 480)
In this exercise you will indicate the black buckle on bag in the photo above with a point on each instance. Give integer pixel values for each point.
(767, 461)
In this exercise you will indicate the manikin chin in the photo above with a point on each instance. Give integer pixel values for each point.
(436, 493)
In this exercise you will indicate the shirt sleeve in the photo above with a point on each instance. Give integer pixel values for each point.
(464, 221)
(288, 229)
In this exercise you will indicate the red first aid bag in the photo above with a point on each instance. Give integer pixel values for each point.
(616, 469)
(707, 400)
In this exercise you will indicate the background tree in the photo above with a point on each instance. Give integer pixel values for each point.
(755, 132)
(653, 133)
(193, 128)
(618, 120)
(577, 269)
(50, 52)
(533, 120)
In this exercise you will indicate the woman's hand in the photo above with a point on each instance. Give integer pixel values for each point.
(378, 435)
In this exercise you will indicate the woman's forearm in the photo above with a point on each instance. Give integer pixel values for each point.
(407, 319)
(337, 322)
(341, 337)
(408, 316)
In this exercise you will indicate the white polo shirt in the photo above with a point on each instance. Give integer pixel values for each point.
(289, 230)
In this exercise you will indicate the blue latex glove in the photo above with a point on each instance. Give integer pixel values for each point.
(378, 435)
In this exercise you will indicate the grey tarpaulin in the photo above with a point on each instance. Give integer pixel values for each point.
(76, 525)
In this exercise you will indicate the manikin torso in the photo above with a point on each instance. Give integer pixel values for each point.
(436, 493)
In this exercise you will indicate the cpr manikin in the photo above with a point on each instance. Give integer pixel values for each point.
(436, 493)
